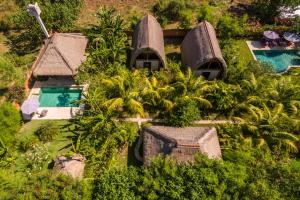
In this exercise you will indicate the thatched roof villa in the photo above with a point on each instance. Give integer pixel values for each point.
(179, 143)
(148, 45)
(200, 50)
(61, 55)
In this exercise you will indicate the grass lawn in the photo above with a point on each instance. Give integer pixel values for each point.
(244, 51)
(57, 146)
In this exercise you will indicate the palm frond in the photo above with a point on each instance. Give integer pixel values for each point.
(136, 107)
(203, 102)
(113, 104)
(290, 146)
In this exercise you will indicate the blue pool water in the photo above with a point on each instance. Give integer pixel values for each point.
(59, 96)
(279, 59)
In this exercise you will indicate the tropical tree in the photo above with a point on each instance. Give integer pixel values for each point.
(189, 87)
(108, 43)
(99, 136)
(123, 94)
(286, 92)
(269, 126)
(157, 96)
(251, 92)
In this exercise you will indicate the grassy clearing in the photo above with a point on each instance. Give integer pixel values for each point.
(244, 51)
(125, 8)
(58, 145)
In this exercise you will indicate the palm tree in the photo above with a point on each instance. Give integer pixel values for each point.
(251, 94)
(190, 87)
(156, 95)
(266, 127)
(286, 92)
(123, 93)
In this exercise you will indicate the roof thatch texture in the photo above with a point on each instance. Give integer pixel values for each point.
(200, 46)
(180, 143)
(72, 166)
(148, 36)
(61, 55)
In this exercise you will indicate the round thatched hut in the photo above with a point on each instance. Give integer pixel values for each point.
(200, 50)
(148, 45)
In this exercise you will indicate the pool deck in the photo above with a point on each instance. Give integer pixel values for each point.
(256, 45)
(56, 112)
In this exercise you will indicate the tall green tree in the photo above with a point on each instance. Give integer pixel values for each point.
(268, 10)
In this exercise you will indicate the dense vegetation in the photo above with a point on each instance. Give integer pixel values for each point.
(260, 153)
(57, 16)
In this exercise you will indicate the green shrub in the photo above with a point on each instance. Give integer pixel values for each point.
(28, 143)
(58, 16)
(10, 121)
(184, 113)
(222, 97)
(186, 19)
(267, 11)
(207, 12)
(173, 10)
(47, 132)
(230, 26)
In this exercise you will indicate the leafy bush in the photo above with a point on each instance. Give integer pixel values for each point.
(184, 113)
(207, 12)
(99, 137)
(10, 121)
(267, 11)
(108, 44)
(57, 16)
(174, 10)
(240, 175)
(230, 26)
(47, 132)
(186, 18)
(222, 97)
(9, 74)
(28, 143)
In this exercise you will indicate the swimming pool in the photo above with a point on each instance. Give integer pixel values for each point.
(280, 60)
(59, 96)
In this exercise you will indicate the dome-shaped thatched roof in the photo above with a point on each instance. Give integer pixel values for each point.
(200, 46)
(148, 35)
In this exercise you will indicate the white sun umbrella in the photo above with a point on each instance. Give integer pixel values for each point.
(30, 106)
(291, 37)
(272, 35)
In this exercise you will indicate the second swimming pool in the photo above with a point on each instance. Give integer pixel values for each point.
(59, 96)
(280, 60)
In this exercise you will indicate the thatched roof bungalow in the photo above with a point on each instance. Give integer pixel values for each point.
(61, 55)
(200, 50)
(148, 45)
(180, 143)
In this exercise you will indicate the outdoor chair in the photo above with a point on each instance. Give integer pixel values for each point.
(43, 113)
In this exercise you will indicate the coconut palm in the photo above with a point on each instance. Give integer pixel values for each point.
(284, 91)
(123, 93)
(251, 93)
(188, 86)
(266, 127)
(156, 95)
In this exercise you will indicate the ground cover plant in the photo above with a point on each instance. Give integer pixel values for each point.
(260, 154)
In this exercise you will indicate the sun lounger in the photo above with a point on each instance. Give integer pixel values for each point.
(43, 113)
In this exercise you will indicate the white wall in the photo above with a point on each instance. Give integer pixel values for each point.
(154, 63)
